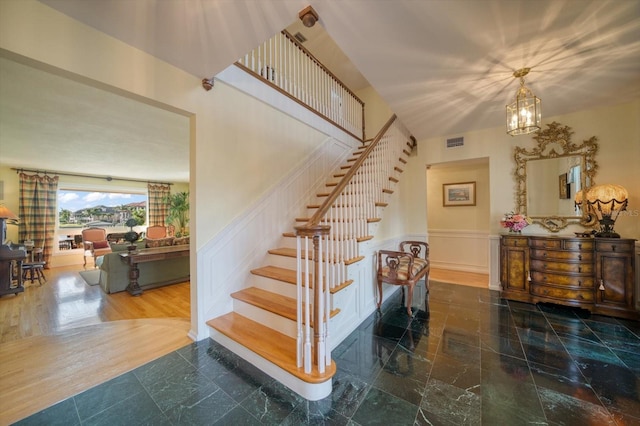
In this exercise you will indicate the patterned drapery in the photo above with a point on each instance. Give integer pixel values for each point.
(37, 211)
(158, 203)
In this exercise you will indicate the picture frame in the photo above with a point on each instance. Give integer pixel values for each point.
(563, 187)
(459, 194)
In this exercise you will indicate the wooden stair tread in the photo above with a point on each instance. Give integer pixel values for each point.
(269, 301)
(269, 344)
(359, 239)
(381, 204)
(277, 273)
(288, 252)
(289, 276)
(273, 302)
(291, 252)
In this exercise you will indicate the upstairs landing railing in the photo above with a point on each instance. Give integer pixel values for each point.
(283, 63)
(329, 240)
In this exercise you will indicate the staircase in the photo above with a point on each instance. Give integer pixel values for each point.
(273, 318)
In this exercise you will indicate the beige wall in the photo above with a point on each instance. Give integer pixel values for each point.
(616, 127)
(470, 218)
(376, 111)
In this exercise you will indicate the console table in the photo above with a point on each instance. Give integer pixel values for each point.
(596, 274)
(149, 255)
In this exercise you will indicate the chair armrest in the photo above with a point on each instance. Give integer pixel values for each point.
(416, 248)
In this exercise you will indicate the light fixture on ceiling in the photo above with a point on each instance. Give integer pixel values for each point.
(606, 202)
(308, 16)
(524, 114)
(207, 84)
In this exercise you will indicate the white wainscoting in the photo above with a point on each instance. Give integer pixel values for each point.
(459, 250)
(224, 263)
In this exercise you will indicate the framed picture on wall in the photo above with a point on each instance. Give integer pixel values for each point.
(459, 194)
(563, 187)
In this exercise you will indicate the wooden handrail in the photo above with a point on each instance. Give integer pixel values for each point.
(315, 220)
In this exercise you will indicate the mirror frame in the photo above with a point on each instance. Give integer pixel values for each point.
(556, 136)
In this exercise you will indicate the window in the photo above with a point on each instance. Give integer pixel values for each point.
(80, 209)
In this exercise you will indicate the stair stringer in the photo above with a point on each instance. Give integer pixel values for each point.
(223, 263)
(350, 300)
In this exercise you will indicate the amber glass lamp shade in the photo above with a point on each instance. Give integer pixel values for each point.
(5, 214)
(606, 202)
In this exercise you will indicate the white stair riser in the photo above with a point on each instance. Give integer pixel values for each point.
(273, 285)
(278, 323)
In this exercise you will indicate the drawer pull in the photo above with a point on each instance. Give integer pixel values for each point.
(579, 282)
(579, 268)
(579, 246)
(613, 247)
(545, 291)
(544, 266)
(579, 257)
(544, 254)
(601, 285)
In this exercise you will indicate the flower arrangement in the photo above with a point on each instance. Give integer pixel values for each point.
(515, 222)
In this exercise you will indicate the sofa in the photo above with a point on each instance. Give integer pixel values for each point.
(114, 273)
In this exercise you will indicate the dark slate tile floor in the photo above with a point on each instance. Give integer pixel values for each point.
(466, 358)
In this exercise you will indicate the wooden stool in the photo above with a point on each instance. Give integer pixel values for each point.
(33, 271)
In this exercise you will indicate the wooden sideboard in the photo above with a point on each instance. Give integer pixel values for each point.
(591, 273)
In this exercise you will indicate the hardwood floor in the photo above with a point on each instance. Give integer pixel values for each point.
(65, 336)
(472, 279)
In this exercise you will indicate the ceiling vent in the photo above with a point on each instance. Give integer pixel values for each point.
(455, 142)
(298, 36)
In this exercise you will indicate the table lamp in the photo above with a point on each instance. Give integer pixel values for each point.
(606, 202)
(5, 214)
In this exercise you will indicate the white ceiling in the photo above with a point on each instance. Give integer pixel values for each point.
(445, 67)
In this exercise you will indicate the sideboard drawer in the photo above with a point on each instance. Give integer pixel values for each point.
(551, 266)
(562, 294)
(509, 241)
(545, 243)
(616, 246)
(579, 244)
(562, 280)
(586, 256)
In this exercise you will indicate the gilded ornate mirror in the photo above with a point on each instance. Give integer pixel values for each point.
(551, 177)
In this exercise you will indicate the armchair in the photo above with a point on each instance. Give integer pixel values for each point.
(156, 232)
(404, 268)
(94, 243)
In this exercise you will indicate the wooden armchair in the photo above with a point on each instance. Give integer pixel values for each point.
(94, 243)
(404, 268)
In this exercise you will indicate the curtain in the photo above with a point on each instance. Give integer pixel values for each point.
(37, 211)
(158, 204)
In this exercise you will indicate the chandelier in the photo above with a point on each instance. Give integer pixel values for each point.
(524, 114)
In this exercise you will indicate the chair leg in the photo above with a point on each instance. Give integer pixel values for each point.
(409, 299)
(40, 274)
(379, 293)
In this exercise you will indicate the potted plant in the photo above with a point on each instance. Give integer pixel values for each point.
(178, 212)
